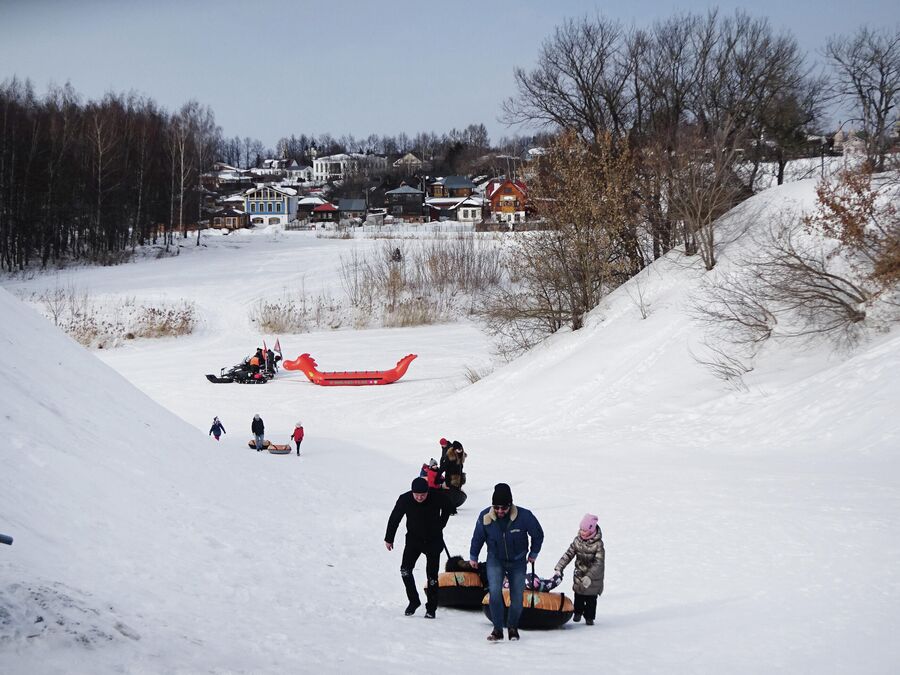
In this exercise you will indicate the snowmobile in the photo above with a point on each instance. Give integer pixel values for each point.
(244, 373)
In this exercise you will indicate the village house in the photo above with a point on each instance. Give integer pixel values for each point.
(270, 205)
(225, 177)
(230, 219)
(338, 167)
(451, 186)
(409, 163)
(306, 205)
(325, 213)
(461, 209)
(405, 202)
(508, 200)
(352, 208)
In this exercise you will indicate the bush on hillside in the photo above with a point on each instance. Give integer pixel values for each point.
(819, 276)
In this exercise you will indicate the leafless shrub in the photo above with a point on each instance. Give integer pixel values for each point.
(473, 375)
(105, 323)
(356, 279)
(803, 280)
(413, 312)
(732, 307)
(156, 322)
(339, 233)
(421, 284)
(518, 320)
(725, 364)
(55, 302)
(287, 314)
(638, 295)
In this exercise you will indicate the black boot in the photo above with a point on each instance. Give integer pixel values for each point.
(412, 607)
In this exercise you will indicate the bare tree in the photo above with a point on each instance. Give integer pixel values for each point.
(586, 196)
(867, 67)
(580, 82)
(705, 187)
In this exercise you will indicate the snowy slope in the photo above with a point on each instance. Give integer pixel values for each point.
(746, 532)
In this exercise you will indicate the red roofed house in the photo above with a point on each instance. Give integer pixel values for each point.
(325, 213)
(508, 199)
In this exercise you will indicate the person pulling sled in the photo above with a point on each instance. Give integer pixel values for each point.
(297, 436)
(427, 512)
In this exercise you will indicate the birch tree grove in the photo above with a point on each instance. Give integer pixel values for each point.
(93, 180)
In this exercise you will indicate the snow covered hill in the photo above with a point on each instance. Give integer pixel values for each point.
(745, 532)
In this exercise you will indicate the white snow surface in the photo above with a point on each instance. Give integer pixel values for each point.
(745, 532)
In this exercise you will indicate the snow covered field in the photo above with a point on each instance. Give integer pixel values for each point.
(745, 532)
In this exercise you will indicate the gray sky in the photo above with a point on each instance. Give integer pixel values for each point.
(269, 69)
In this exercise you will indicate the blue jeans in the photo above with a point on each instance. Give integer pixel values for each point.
(259, 441)
(515, 570)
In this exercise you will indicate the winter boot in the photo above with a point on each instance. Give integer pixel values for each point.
(495, 636)
(577, 617)
(429, 614)
(513, 633)
(588, 622)
(412, 607)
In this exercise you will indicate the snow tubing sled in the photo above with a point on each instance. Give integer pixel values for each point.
(266, 443)
(540, 611)
(277, 449)
(456, 497)
(343, 378)
(462, 590)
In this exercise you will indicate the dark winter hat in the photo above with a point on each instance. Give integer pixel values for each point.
(419, 485)
(502, 495)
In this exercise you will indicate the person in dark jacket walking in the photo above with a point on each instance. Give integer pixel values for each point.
(259, 432)
(297, 436)
(427, 512)
(506, 529)
(217, 428)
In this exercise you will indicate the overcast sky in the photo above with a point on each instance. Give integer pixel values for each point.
(270, 69)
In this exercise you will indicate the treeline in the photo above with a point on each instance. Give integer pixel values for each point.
(456, 151)
(247, 152)
(92, 180)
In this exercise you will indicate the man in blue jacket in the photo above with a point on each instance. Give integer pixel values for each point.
(506, 529)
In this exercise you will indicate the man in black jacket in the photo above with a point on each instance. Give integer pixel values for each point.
(427, 512)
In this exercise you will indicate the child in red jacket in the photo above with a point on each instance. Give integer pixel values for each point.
(297, 436)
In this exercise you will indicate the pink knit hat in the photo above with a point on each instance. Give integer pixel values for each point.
(589, 522)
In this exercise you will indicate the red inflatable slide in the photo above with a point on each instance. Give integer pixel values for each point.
(343, 378)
